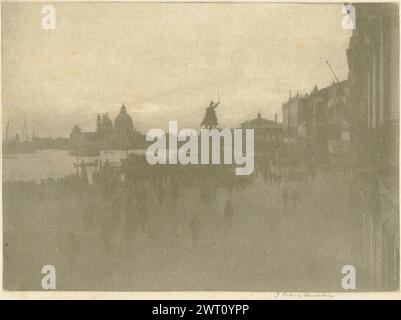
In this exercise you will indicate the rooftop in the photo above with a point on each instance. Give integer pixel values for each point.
(260, 122)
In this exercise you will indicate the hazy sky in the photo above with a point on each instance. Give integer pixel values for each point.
(164, 61)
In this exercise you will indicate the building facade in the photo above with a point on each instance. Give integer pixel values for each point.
(338, 126)
(267, 133)
(294, 119)
(318, 121)
(373, 61)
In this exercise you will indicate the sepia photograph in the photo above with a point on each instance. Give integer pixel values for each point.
(200, 146)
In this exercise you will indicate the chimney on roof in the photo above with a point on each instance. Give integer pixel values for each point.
(275, 118)
(259, 115)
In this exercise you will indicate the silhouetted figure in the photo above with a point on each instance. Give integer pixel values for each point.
(84, 173)
(312, 171)
(279, 177)
(210, 119)
(195, 227)
(142, 211)
(131, 221)
(204, 192)
(105, 232)
(71, 251)
(276, 177)
(270, 175)
(88, 217)
(161, 194)
(116, 212)
(174, 195)
(285, 199)
(228, 214)
(294, 199)
(373, 196)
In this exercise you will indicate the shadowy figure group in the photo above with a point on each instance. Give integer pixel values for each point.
(290, 198)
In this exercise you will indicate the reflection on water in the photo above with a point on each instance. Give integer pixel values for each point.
(51, 163)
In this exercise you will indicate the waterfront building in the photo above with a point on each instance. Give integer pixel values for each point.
(83, 143)
(118, 136)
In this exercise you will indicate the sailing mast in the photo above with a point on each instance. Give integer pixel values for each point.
(24, 133)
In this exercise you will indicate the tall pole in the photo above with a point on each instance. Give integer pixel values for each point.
(332, 71)
(77, 166)
(8, 125)
(23, 130)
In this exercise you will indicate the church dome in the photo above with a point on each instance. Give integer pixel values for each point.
(123, 124)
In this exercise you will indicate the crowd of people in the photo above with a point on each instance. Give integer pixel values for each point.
(121, 208)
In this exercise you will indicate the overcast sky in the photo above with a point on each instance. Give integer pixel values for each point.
(164, 61)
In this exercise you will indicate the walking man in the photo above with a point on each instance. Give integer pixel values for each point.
(285, 199)
(228, 214)
(294, 199)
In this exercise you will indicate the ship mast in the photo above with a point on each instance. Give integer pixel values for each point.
(23, 136)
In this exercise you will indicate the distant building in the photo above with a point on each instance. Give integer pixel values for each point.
(294, 120)
(267, 133)
(317, 124)
(104, 125)
(318, 121)
(122, 135)
(123, 126)
(338, 125)
(83, 143)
